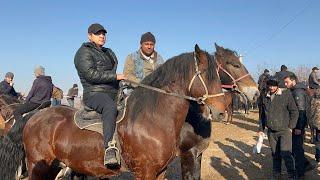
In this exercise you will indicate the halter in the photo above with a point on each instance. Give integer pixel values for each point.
(198, 74)
(234, 81)
(199, 100)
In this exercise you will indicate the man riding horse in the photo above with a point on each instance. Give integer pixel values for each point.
(96, 66)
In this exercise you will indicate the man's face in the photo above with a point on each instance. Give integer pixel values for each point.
(147, 48)
(98, 38)
(273, 89)
(8, 79)
(289, 83)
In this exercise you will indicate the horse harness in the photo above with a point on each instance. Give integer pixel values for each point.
(199, 100)
(234, 81)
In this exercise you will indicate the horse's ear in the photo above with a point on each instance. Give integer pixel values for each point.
(197, 49)
(217, 46)
(199, 54)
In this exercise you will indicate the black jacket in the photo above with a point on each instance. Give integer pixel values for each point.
(262, 82)
(41, 90)
(281, 113)
(6, 89)
(300, 96)
(96, 69)
(313, 80)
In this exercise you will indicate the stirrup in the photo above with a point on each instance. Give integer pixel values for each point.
(112, 145)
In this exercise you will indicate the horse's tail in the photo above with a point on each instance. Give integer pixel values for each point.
(12, 150)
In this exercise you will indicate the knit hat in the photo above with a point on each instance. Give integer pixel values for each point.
(148, 36)
(9, 75)
(266, 71)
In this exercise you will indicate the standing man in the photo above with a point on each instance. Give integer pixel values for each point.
(262, 82)
(96, 66)
(144, 61)
(281, 115)
(313, 79)
(6, 86)
(300, 96)
(281, 74)
(72, 93)
(40, 93)
(57, 95)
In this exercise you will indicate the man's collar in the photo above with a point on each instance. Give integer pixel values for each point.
(278, 92)
(147, 57)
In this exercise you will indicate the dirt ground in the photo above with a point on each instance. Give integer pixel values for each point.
(230, 156)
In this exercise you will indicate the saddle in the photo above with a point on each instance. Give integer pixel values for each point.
(87, 118)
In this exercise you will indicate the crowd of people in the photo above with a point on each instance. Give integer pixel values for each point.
(285, 111)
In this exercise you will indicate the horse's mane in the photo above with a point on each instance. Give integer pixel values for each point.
(175, 70)
(7, 104)
(229, 51)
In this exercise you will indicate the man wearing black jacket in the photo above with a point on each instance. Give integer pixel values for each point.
(301, 98)
(39, 94)
(280, 116)
(96, 67)
(6, 86)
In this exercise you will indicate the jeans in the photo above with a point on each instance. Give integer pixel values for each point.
(55, 102)
(71, 102)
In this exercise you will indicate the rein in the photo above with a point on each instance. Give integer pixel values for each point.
(199, 100)
(234, 81)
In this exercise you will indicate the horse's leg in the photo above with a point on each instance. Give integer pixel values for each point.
(191, 164)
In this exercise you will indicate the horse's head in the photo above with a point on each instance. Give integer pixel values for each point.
(205, 85)
(233, 73)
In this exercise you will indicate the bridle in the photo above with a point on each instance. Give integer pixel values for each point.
(198, 74)
(234, 81)
(199, 100)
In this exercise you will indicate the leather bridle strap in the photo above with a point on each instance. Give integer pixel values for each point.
(234, 81)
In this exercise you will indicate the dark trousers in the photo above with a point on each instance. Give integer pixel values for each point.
(281, 147)
(317, 156)
(298, 153)
(104, 104)
(24, 108)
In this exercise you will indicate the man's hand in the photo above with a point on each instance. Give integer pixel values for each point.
(297, 131)
(290, 130)
(11, 83)
(120, 77)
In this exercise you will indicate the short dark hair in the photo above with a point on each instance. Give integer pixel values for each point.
(283, 67)
(292, 77)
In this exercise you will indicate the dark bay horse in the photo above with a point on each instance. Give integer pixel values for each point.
(195, 134)
(148, 134)
(7, 105)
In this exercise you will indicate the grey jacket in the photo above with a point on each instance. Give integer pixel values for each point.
(281, 112)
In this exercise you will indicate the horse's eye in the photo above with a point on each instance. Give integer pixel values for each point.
(236, 65)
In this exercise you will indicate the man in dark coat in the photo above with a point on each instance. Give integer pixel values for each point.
(39, 94)
(313, 79)
(281, 74)
(96, 66)
(300, 96)
(280, 117)
(6, 86)
(262, 82)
